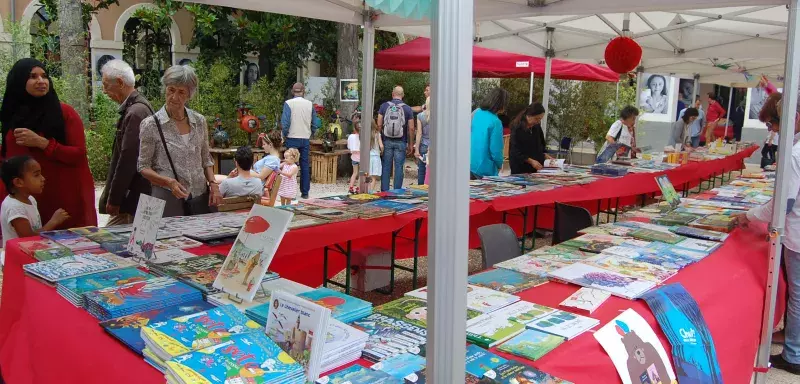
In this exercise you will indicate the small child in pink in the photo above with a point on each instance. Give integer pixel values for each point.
(288, 172)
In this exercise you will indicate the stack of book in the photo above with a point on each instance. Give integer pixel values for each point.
(344, 308)
(303, 221)
(389, 336)
(479, 299)
(69, 239)
(258, 308)
(74, 288)
(615, 283)
(398, 206)
(358, 374)
(199, 271)
(491, 329)
(97, 235)
(343, 345)
(167, 339)
(257, 360)
(52, 271)
(30, 247)
(138, 296)
(367, 212)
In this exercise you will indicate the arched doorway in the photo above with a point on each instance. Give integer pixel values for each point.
(149, 52)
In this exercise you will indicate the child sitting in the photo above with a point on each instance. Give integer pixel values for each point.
(19, 216)
(244, 184)
(354, 145)
(288, 172)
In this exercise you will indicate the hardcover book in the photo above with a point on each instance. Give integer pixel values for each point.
(531, 344)
(522, 312)
(412, 310)
(592, 277)
(344, 308)
(97, 235)
(564, 324)
(719, 223)
(479, 299)
(530, 265)
(479, 360)
(489, 330)
(145, 227)
(50, 254)
(138, 296)
(180, 242)
(674, 219)
(586, 300)
(71, 266)
(57, 235)
(331, 214)
(389, 336)
(78, 244)
(199, 271)
(668, 192)
(170, 255)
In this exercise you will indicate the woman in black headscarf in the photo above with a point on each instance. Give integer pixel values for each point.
(35, 123)
(526, 150)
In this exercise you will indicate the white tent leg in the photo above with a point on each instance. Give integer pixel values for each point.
(530, 93)
(638, 91)
(789, 101)
(728, 115)
(368, 100)
(547, 73)
(695, 90)
(451, 80)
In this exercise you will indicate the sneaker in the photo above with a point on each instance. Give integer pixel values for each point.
(352, 191)
(304, 196)
(779, 362)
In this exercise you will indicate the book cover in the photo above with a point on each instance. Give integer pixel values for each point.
(704, 246)
(170, 255)
(389, 336)
(668, 192)
(674, 219)
(616, 283)
(489, 330)
(698, 233)
(719, 223)
(609, 229)
(479, 360)
(633, 268)
(522, 312)
(324, 203)
(145, 227)
(300, 328)
(506, 280)
(358, 374)
(245, 358)
(176, 336)
(87, 283)
(302, 221)
(119, 248)
(412, 310)
(402, 365)
(485, 300)
(635, 350)
(651, 235)
(396, 206)
(561, 253)
(29, 247)
(252, 252)
(70, 266)
(530, 265)
(331, 214)
(368, 212)
(586, 300)
(98, 235)
(564, 324)
(135, 297)
(127, 329)
(50, 254)
(179, 242)
(199, 271)
(343, 307)
(692, 345)
(57, 235)
(676, 251)
(78, 244)
(531, 344)
(517, 373)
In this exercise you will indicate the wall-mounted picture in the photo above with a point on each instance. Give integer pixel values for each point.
(685, 90)
(655, 94)
(101, 62)
(348, 90)
(755, 101)
(251, 75)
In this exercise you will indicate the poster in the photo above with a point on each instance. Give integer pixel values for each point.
(142, 240)
(252, 252)
(348, 90)
(655, 95)
(251, 75)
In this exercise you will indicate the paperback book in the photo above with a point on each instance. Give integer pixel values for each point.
(58, 235)
(719, 223)
(344, 308)
(489, 330)
(145, 227)
(98, 235)
(633, 268)
(198, 271)
(698, 233)
(73, 266)
(400, 366)
(513, 372)
(138, 296)
(73, 289)
(592, 277)
(586, 300)
(180, 242)
(78, 244)
(389, 336)
(302, 221)
(483, 300)
(651, 235)
(530, 265)
(358, 374)
(531, 344)
(330, 214)
(50, 254)
(170, 255)
(564, 324)
(413, 310)
(30, 247)
(479, 361)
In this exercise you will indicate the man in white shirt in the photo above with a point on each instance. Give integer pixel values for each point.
(299, 122)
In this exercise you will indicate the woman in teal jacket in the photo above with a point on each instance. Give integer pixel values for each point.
(486, 144)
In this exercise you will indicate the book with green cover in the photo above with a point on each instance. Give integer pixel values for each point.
(506, 280)
(673, 218)
(489, 330)
(531, 344)
(479, 361)
(651, 235)
(516, 373)
(719, 223)
(412, 310)
(50, 254)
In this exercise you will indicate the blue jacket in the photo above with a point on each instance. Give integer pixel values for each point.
(486, 144)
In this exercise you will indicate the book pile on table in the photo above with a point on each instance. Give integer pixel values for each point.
(389, 336)
(261, 299)
(138, 296)
(73, 289)
(343, 345)
(52, 271)
(197, 271)
(344, 308)
(71, 240)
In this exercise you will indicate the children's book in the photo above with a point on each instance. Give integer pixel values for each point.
(50, 254)
(145, 227)
(592, 277)
(610, 229)
(479, 360)
(173, 337)
(344, 308)
(565, 324)
(97, 235)
(561, 253)
(698, 233)
(704, 246)
(669, 251)
(486, 300)
(396, 206)
(489, 330)
(402, 365)
(198, 271)
(530, 265)
(358, 374)
(60, 234)
(673, 218)
(324, 203)
(170, 255)
(138, 296)
(252, 252)
(513, 372)
(633, 268)
(300, 328)
(522, 312)
(719, 223)
(531, 344)
(180, 242)
(668, 192)
(635, 350)
(651, 235)
(413, 310)
(127, 329)
(586, 300)
(119, 248)
(73, 289)
(506, 280)
(29, 247)
(389, 336)
(245, 358)
(78, 244)
(71, 266)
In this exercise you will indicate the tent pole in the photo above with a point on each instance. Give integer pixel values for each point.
(530, 93)
(639, 72)
(448, 232)
(790, 84)
(695, 90)
(728, 115)
(368, 99)
(549, 53)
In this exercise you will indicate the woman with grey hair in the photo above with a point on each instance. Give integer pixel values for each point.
(174, 154)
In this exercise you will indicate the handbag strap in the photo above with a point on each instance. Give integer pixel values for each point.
(164, 142)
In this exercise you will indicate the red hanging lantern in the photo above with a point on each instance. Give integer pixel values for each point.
(623, 54)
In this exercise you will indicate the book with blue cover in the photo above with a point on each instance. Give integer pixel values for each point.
(479, 361)
(402, 365)
(127, 329)
(73, 289)
(358, 374)
(515, 373)
(61, 234)
(389, 336)
(506, 280)
(71, 266)
(344, 308)
(245, 358)
(97, 235)
(398, 207)
(173, 337)
(119, 248)
(139, 296)
(531, 344)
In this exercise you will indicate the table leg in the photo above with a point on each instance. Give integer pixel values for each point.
(348, 256)
(325, 266)
(597, 219)
(417, 228)
(524, 213)
(347, 252)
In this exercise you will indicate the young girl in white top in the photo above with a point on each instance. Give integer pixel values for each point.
(19, 216)
(375, 165)
(354, 145)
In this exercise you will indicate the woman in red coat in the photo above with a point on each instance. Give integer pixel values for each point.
(35, 123)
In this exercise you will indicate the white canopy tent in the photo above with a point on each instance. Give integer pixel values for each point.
(679, 34)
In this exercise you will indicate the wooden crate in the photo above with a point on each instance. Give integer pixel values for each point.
(506, 144)
(323, 167)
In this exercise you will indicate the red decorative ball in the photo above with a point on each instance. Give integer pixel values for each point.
(623, 54)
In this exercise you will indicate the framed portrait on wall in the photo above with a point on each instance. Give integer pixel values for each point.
(657, 97)
(348, 90)
(755, 100)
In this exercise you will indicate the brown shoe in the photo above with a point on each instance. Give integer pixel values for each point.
(779, 362)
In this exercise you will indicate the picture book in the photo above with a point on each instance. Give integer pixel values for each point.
(479, 360)
(635, 350)
(531, 344)
(389, 336)
(522, 312)
(199, 271)
(704, 246)
(57, 235)
(71, 266)
(506, 280)
(698, 233)
(485, 300)
(97, 235)
(682, 322)
(300, 328)
(668, 192)
(127, 329)
(607, 229)
(29, 247)
(169, 255)
(74, 288)
(402, 365)
(412, 310)
(138, 296)
(489, 330)
(673, 218)
(651, 235)
(719, 223)
(668, 250)
(592, 277)
(586, 300)
(361, 197)
(565, 324)
(344, 308)
(252, 252)
(561, 253)
(179, 335)
(513, 372)
(530, 265)
(633, 268)
(50, 254)
(180, 242)
(245, 358)
(358, 374)
(145, 227)
(78, 244)
(119, 248)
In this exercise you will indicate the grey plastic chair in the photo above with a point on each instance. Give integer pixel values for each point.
(498, 243)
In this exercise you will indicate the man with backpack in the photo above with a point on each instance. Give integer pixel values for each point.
(395, 120)
(299, 122)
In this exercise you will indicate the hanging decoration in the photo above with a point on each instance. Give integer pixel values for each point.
(733, 67)
(407, 9)
(623, 54)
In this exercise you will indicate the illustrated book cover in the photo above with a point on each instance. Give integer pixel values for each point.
(145, 227)
(402, 365)
(389, 336)
(138, 296)
(479, 361)
(358, 374)
(586, 300)
(98, 235)
(513, 372)
(651, 235)
(564, 324)
(413, 310)
(71, 266)
(633, 268)
(698, 233)
(530, 265)
(489, 330)
(30, 247)
(593, 277)
(531, 344)
(505, 280)
(343, 307)
(199, 271)
(50, 254)
(73, 288)
(668, 192)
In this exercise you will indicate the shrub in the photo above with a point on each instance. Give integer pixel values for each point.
(100, 137)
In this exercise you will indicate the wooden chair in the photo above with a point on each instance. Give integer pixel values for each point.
(271, 186)
(238, 203)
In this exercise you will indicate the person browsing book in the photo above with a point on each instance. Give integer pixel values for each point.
(526, 150)
(244, 184)
(19, 215)
(620, 136)
(486, 138)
